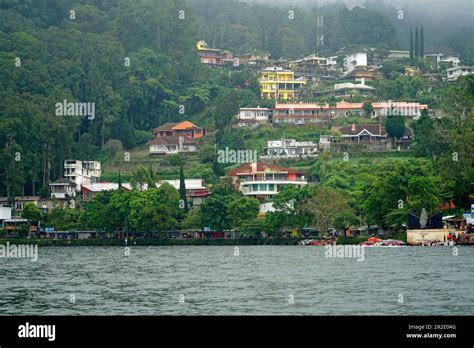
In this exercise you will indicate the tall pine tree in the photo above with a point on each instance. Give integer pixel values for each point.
(422, 43)
(182, 189)
(417, 44)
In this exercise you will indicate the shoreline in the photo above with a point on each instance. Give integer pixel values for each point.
(167, 242)
(151, 242)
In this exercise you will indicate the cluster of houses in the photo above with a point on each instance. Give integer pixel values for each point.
(255, 179)
(290, 80)
(314, 113)
(373, 136)
(219, 58)
(80, 183)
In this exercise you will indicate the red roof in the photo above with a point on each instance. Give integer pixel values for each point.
(176, 126)
(200, 193)
(185, 125)
(166, 127)
(246, 168)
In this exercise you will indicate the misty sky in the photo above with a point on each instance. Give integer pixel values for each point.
(459, 12)
(440, 18)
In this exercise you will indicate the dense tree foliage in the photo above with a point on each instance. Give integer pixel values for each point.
(288, 32)
(136, 61)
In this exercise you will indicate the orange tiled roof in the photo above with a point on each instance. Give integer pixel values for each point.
(185, 125)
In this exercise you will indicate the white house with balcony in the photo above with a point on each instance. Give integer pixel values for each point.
(64, 192)
(331, 62)
(170, 145)
(453, 74)
(290, 148)
(263, 181)
(252, 117)
(82, 172)
(354, 60)
(62, 189)
(450, 59)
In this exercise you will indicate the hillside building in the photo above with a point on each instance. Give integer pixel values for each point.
(280, 84)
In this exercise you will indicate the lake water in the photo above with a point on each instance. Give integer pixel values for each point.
(259, 280)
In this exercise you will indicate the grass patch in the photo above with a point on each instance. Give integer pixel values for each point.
(351, 240)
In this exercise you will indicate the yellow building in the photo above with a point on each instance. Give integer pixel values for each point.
(277, 83)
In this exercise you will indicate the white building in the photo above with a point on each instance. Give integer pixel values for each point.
(354, 60)
(196, 191)
(453, 74)
(44, 204)
(289, 148)
(437, 58)
(397, 54)
(169, 145)
(398, 109)
(82, 172)
(63, 189)
(454, 61)
(347, 89)
(264, 180)
(5, 212)
(331, 62)
(252, 117)
(325, 143)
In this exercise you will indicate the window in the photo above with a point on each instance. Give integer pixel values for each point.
(271, 187)
(254, 187)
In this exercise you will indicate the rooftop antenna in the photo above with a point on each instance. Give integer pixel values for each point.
(319, 26)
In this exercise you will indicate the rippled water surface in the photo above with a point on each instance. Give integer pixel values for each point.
(260, 280)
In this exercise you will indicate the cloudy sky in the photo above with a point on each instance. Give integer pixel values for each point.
(440, 18)
(447, 11)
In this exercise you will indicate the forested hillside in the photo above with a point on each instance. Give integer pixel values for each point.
(136, 61)
(289, 31)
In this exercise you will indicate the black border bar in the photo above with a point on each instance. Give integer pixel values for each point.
(241, 330)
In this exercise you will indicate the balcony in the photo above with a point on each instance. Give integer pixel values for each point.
(282, 179)
(260, 188)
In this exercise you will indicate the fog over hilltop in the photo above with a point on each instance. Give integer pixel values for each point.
(440, 18)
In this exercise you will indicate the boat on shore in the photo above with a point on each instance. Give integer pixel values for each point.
(388, 243)
(371, 242)
(316, 242)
